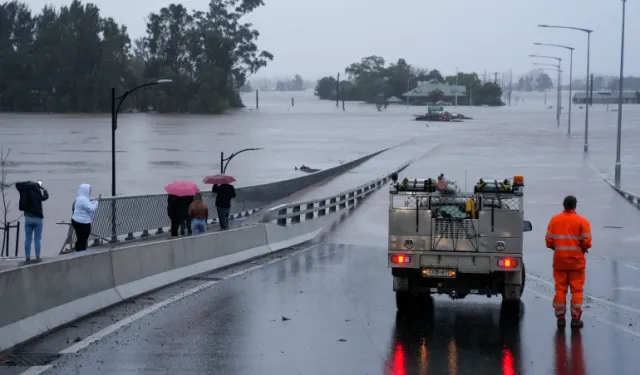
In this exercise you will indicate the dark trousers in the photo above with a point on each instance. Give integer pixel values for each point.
(223, 217)
(83, 231)
(182, 224)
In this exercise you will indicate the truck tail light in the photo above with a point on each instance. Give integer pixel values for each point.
(400, 259)
(507, 263)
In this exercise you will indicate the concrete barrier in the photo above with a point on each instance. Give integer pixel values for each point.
(632, 198)
(41, 297)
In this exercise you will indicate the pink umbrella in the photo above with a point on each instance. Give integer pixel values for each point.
(182, 188)
(219, 179)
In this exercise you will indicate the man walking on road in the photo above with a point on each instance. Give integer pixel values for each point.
(569, 236)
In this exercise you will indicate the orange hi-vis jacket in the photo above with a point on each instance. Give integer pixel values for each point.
(569, 235)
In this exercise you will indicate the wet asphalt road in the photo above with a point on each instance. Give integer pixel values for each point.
(330, 309)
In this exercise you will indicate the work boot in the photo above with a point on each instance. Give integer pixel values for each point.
(562, 322)
(576, 323)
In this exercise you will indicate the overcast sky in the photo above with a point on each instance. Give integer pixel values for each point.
(320, 37)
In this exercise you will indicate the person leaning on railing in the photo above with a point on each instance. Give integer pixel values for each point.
(199, 213)
(83, 210)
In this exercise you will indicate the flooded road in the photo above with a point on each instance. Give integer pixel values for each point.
(329, 308)
(65, 150)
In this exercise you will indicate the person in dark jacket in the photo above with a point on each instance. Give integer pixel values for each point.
(32, 194)
(185, 219)
(178, 212)
(224, 194)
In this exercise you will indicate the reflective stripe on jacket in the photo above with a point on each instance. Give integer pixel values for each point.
(569, 235)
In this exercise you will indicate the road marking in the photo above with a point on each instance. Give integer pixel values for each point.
(629, 288)
(610, 303)
(632, 267)
(592, 316)
(36, 370)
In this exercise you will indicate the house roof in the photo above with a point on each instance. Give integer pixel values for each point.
(426, 88)
(395, 99)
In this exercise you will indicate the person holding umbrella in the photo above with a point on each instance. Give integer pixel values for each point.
(224, 192)
(178, 201)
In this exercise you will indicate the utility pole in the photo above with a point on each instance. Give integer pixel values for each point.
(495, 79)
(338, 90)
(510, 83)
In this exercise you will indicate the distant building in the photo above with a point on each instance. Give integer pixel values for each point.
(608, 97)
(427, 88)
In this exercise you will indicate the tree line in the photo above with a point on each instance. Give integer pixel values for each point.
(372, 80)
(67, 59)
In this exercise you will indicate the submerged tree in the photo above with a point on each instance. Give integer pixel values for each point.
(67, 60)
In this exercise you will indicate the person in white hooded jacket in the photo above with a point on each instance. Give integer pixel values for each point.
(83, 209)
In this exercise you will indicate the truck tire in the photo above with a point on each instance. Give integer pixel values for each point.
(404, 300)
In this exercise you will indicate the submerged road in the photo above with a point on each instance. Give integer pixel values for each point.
(329, 308)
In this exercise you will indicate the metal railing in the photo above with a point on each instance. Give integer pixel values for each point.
(142, 216)
(294, 213)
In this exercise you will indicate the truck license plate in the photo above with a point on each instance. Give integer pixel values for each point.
(438, 272)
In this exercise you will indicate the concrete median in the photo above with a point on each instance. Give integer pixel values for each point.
(41, 297)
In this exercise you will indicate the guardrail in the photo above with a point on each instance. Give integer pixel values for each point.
(142, 216)
(294, 213)
(632, 198)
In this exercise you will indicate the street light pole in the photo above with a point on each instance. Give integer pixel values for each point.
(570, 76)
(114, 124)
(408, 89)
(618, 168)
(223, 165)
(586, 118)
(559, 101)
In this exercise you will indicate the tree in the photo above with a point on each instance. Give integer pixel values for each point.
(544, 82)
(326, 88)
(246, 88)
(66, 60)
(6, 218)
(297, 84)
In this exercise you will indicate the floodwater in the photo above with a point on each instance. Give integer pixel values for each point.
(152, 150)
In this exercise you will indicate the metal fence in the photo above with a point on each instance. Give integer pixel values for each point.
(293, 213)
(140, 216)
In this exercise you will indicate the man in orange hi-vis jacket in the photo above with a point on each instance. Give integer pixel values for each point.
(569, 236)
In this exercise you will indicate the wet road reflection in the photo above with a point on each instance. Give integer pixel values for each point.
(569, 357)
(456, 338)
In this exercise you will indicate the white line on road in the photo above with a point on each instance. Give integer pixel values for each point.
(592, 316)
(632, 267)
(610, 303)
(36, 370)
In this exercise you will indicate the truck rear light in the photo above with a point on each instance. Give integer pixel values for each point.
(400, 259)
(507, 263)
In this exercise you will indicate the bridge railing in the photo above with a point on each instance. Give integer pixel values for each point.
(140, 216)
(294, 213)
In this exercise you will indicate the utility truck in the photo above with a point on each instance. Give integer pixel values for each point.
(445, 241)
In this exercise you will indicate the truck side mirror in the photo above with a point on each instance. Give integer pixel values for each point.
(526, 226)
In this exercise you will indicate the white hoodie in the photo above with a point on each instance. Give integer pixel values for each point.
(84, 207)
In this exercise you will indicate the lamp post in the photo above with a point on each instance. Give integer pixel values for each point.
(570, 76)
(114, 123)
(408, 81)
(559, 110)
(223, 165)
(114, 126)
(618, 168)
(586, 117)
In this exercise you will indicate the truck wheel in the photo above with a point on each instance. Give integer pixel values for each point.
(403, 300)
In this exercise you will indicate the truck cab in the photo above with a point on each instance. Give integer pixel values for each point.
(446, 241)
